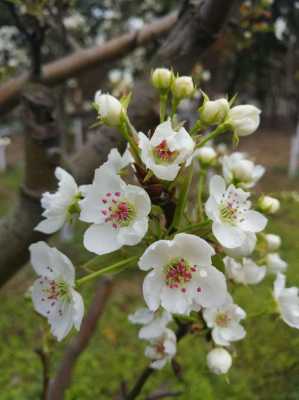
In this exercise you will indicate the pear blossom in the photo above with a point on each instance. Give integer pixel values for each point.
(213, 111)
(275, 263)
(229, 209)
(287, 300)
(225, 322)
(273, 241)
(116, 162)
(109, 108)
(219, 361)
(182, 87)
(269, 204)
(53, 293)
(206, 155)
(61, 206)
(246, 248)
(118, 213)
(153, 323)
(162, 349)
(166, 150)
(241, 171)
(244, 119)
(162, 78)
(246, 272)
(181, 275)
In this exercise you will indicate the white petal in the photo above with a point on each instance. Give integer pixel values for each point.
(141, 316)
(78, 309)
(156, 255)
(40, 258)
(217, 187)
(175, 301)
(253, 221)
(279, 284)
(227, 235)
(141, 200)
(213, 290)
(62, 324)
(101, 239)
(152, 286)
(159, 364)
(51, 224)
(134, 233)
(197, 250)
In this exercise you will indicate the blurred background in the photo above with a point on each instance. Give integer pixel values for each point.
(54, 55)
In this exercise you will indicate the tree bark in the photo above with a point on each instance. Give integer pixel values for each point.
(197, 27)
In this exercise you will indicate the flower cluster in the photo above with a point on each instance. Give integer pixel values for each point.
(186, 208)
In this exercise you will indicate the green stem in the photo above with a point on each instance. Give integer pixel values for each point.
(194, 227)
(200, 192)
(216, 132)
(196, 128)
(174, 105)
(163, 106)
(125, 126)
(106, 270)
(182, 200)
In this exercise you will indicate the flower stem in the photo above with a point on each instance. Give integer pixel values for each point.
(197, 126)
(106, 270)
(182, 200)
(216, 132)
(163, 106)
(200, 192)
(125, 128)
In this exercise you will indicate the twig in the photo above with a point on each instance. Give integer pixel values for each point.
(62, 380)
(44, 357)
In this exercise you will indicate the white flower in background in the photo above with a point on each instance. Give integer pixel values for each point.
(154, 324)
(246, 248)
(269, 204)
(108, 108)
(118, 213)
(280, 28)
(244, 119)
(225, 322)
(275, 263)
(166, 150)
(246, 272)
(182, 87)
(53, 293)
(162, 349)
(181, 275)
(221, 149)
(162, 78)
(61, 206)
(287, 301)
(116, 162)
(4, 142)
(241, 171)
(214, 111)
(273, 241)
(206, 155)
(135, 24)
(229, 209)
(219, 361)
(75, 22)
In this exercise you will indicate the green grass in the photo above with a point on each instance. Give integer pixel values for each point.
(266, 363)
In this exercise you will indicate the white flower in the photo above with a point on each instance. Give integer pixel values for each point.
(60, 206)
(181, 275)
(275, 263)
(162, 78)
(219, 361)
(240, 171)
(4, 141)
(182, 87)
(269, 204)
(280, 28)
(246, 248)
(214, 111)
(287, 300)
(109, 108)
(246, 272)
(273, 241)
(206, 155)
(53, 293)
(244, 119)
(224, 321)
(154, 324)
(166, 150)
(229, 209)
(118, 213)
(161, 349)
(116, 162)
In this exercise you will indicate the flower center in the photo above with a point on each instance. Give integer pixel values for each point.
(162, 153)
(160, 347)
(178, 273)
(232, 208)
(119, 212)
(222, 319)
(53, 291)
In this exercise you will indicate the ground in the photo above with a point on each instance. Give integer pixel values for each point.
(266, 363)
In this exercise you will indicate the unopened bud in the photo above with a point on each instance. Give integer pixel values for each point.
(219, 361)
(214, 111)
(183, 87)
(162, 78)
(269, 204)
(109, 108)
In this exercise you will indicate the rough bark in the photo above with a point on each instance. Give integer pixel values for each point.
(198, 25)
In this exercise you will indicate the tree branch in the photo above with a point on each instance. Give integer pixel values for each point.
(62, 379)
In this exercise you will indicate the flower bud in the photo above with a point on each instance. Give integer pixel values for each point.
(206, 155)
(182, 87)
(219, 361)
(109, 108)
(275, 263)
(269, 204)
(162, 78)
(214, 111)
(244, 119)
(273, 241)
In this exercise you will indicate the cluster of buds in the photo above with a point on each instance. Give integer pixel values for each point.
(175, 240)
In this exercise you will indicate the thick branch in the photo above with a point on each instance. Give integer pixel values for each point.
(69, 66)
(62, 379)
